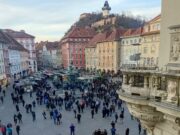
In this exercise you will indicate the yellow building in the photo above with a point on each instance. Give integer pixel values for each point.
(150, 43)
(91, 57)
(108, 51)
(91, 52)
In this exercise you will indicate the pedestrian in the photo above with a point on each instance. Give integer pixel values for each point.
(113, 124)
(44, 115)
(15, 119)
(9, 130)
(79, 117)
(2, 99)
(19, 116)
(127, 131)
(18, 129)
(59, 119)
(72, 129)
(113, 131)
(116, 117)
(3, 129)
(74, 113)
(30, 94)
(23, 102)
(17, 108)
(34, 103)
(4, 93)
(139, 127)
(33, 116)
(92, 113)
(121, 116)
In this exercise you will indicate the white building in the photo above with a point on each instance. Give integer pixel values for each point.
(16, 55)
(28, 42)
(48, 54)
(130, 48)
(2, 64)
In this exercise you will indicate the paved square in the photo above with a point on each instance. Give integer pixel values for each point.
(47, 127)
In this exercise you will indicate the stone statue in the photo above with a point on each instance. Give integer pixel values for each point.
(172, 90)
(175, 48)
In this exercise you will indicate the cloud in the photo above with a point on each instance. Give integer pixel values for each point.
(52, 18)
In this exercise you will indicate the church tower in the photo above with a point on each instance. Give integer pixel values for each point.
(106, 9)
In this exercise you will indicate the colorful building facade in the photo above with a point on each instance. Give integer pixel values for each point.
(28, 42)
(151, 43)
(73, 46)
(108, 51)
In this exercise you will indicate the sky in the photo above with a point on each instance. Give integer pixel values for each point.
(50, 19)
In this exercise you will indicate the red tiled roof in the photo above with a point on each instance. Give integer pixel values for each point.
(133, 32)
(107, 36)
(97, 38)
(18, 34)
(151, 33)
(49, 45)
(78, 32)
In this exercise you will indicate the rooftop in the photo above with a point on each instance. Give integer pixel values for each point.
(17, 34)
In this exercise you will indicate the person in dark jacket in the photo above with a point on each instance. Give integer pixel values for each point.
(18, 129)
(127, 131)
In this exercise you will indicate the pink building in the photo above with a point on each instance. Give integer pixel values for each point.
(73, 46)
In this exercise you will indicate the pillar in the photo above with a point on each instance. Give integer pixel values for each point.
(146, 83)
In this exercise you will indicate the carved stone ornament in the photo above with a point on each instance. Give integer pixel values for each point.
(172, 90)
(175, 47)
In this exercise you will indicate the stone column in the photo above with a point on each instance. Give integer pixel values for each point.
(146, 83)
(156, 82)
(131, 80)
(125, 79)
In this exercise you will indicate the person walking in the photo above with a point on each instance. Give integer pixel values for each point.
(44, 115)
(139, 127)
(79, 117)
(2, 99)
(113, 131)
(92, 113)
(18, 130)
(9, 130)
(19, 116)
(116, 117)
(15, 119)
(127, 131)
(72, 129)
(33, 116)
(75, 113)
(17, 108)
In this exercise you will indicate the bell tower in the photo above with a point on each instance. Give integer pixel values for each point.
(106, 9)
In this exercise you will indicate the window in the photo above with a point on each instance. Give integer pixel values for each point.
(152, 61)
(153, 49)
(145, 49)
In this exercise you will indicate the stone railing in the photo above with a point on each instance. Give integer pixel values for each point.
(136, 91)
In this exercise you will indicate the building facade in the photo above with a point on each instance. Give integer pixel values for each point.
(17, 64)
(73, 46)
(131, 48)
(91, 52)
(153, 96)
(108, 51)
(49, 55)
(3, 76)
(151, 43)
(28, 42)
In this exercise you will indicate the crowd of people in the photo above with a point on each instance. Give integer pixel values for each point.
(99, 96)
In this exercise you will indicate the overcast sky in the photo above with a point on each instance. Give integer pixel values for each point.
(50, 19)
